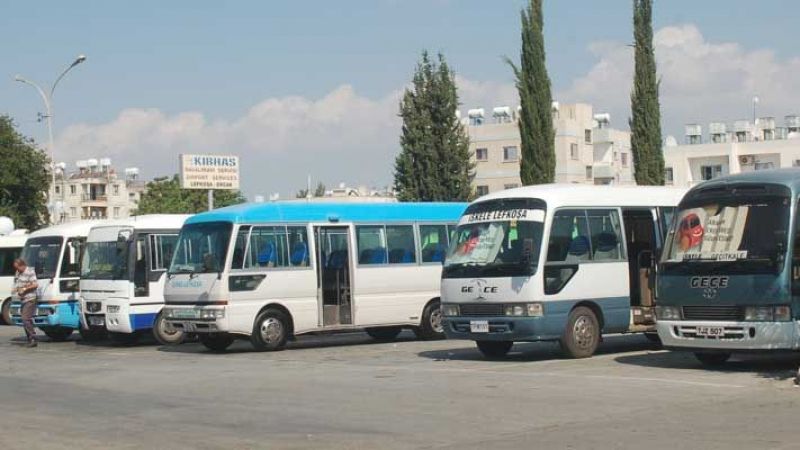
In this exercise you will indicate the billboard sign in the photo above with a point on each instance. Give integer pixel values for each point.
(209, 172)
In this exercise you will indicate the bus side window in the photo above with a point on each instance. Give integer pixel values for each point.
(796, 257)
(140, 287)
(569, 245)
(71, 262)
(298, 246)
(240, 247)
(433, 242)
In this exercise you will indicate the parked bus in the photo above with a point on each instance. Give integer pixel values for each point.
(555, 262)
(271, 271)
(10, 249)
(55, 254)
(729, 279)
(122, 278)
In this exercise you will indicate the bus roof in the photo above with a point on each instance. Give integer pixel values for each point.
(333, 212)
(148, 222)
(789, 177)
(69, 229)
(13, 240)
(559, 195)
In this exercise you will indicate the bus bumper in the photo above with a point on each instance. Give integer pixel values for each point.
(738, 336)
(121, 318)
(61, 314)
(520, 329)
(196, 319)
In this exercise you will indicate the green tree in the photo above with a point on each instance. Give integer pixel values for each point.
(645, 122)
(434, 161)
(24, 178)
(164, 195)
(318, 192)
(538, 164)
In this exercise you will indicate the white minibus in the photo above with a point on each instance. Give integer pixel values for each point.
(10, 249)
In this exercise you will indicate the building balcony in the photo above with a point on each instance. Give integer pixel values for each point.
(94, 198)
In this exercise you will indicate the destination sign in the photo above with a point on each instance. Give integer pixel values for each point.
(499, 215)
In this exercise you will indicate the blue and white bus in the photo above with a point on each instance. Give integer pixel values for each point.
(559, 263)
(729, 279)
(268, 272)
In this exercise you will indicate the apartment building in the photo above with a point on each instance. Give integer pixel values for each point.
(745, 147)
(95, 191)
(588, 150)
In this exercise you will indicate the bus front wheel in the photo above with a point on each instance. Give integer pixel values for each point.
(582, 334)
(270, 330)
(58, 334)
(431, 327)
(712, 359)
(494, 349)
(5, 312)
(166, 335)
(217, 342)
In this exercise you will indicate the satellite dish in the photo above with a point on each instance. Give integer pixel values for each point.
(671, 141)
(6, 226)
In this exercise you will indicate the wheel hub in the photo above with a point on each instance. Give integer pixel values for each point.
(271, 330)
(583, 332)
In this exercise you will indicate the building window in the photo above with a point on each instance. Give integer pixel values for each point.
(481, 190)
(764, 165)
(58, 189)
(116, 212)
(669, 175)
(482, 154)
(796, 163)
(510, 154)
(710, 172)
(623, 159)
(510, 186)
(73, 212)
(589, 174)
(587, 136)
(72, 189)
(116, 189)
(573, 151)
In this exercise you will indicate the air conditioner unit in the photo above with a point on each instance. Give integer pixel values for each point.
(747, 160)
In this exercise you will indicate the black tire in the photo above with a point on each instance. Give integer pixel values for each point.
(494, 349)
(166, 335)
(216, 342)
(93, 334)
(57, 334)
(5, 312)
(384, 334)
(270, 331)
(431, 327)
(653, 337)
(712, 359)
(123, 338)
(582, 333)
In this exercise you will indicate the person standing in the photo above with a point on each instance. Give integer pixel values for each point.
(25, 285)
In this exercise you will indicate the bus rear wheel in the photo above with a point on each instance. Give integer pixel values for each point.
(386, 334)
(5, 312)
(270, 331)
(217, 342)
(582, 334)
(494, 349)
(431, 327)
(166, 335)
(58, 334)
(712, 359)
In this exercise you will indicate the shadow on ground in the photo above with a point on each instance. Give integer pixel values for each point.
(539, 351)
(775, 366)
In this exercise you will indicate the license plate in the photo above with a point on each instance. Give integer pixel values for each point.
(97, 321)
(710, 331)
(479, 326)
(184, 313)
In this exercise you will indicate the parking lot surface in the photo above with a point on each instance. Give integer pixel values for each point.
(347, 391)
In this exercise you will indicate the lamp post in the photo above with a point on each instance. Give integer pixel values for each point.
(47, 97)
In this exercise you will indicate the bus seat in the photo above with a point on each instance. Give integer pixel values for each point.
(299, 254)
(365, 256)
(606, 246)
(378, 256)
(438, 253)
(401, 256)
(578, 249)
(337, 260)
(268, 255)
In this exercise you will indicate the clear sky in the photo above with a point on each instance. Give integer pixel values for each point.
(311, 87)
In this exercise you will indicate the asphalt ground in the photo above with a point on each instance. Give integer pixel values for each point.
(346, 391)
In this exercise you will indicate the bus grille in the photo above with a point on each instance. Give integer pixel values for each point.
(481, 309)
(729, 313)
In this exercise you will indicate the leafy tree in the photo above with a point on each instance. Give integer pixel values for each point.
(645, 122)
(164, 195)
(318, 192)
(24, 178)
(538, 163)
(434, 161)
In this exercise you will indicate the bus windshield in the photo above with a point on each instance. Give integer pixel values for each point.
(201, 248)
(737, 234)
(105, 261)
(42, 254)
(494, 243)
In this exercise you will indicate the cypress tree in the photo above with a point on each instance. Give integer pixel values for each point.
(645, 122)
(538, 164)
(434, 161)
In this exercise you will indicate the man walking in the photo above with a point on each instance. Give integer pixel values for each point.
(25, 284)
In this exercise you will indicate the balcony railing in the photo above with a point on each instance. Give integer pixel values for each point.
(94, 198)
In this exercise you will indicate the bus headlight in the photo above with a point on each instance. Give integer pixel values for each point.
(112, 309)
(212, 314)
(449, 309)
(514, 310)
(535, 309)
(668, 313)
(524, 309)
(169, 313)
(783, 313)
(758, 314)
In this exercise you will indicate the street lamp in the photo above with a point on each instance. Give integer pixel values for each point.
(47, 97)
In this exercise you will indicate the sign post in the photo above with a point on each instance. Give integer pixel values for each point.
(209, 172)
